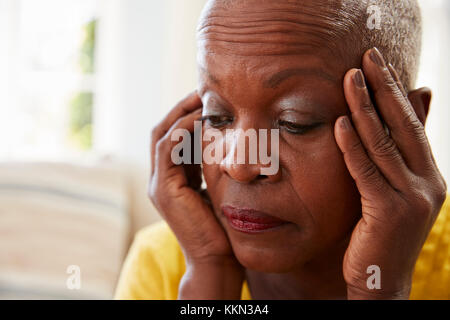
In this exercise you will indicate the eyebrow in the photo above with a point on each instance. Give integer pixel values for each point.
(275, 80)
(209, 75)
(283, 75)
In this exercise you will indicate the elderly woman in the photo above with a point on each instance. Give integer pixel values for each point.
(357, 191)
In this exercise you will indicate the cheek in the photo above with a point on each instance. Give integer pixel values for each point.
(320, 178)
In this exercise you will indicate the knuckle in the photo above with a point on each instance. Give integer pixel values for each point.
(441, 192)
(152, 194)
(366, 168)
(152, 188)
(444, 187)
(158, 128)
(161, 145)
(383, 146)
(427, 198)
(422, 204)
(355, 147)
(369, 171)
(412, 123)
(389, 86)
(367, 108)
(441, 196)
(154, 132)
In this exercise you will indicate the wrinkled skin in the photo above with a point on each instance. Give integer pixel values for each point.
(265, 69)
(320, 200)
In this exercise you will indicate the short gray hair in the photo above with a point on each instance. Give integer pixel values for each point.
(349, 34)
(399, 36)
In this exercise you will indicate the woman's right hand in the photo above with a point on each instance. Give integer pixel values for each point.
(212, 271)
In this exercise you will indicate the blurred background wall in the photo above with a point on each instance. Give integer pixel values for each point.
(146, 63)
(83, 77)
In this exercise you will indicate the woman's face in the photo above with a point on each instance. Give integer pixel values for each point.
(289, 85)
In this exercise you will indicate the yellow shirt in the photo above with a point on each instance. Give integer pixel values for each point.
(155, 264)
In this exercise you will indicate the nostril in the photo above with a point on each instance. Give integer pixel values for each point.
(261, 177)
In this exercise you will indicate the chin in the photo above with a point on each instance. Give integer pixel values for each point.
(267, 260)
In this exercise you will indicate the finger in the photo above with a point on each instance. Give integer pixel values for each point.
(380, 147)
(193, 171)
(368, 178)
(396, 78)
(185, 106)
(397, 112)
(194, 176)
(164, 147)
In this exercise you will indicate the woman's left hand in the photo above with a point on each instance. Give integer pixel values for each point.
(401, 187)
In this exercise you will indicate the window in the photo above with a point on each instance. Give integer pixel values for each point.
(47, 91)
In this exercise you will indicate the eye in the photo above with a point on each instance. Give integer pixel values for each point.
(296, 128)
(217, 121)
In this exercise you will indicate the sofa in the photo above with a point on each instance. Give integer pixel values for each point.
(65, 228)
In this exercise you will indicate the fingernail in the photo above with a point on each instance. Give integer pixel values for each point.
(345, 123)
(393, 72)
(377, 58)
(358, 79)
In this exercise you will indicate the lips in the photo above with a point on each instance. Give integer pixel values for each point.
(249, 220)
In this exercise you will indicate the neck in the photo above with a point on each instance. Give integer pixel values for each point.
(320, 278)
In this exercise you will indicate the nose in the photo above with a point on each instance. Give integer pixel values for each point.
(248, 167)
(247, 173)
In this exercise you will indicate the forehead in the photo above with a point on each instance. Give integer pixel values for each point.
(271, 27)
(259, 40)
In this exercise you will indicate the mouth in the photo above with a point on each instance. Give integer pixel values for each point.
(251, 221)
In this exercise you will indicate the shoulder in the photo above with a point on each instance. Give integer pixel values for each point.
(432, 272)
(156, 236)
(154, 265)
